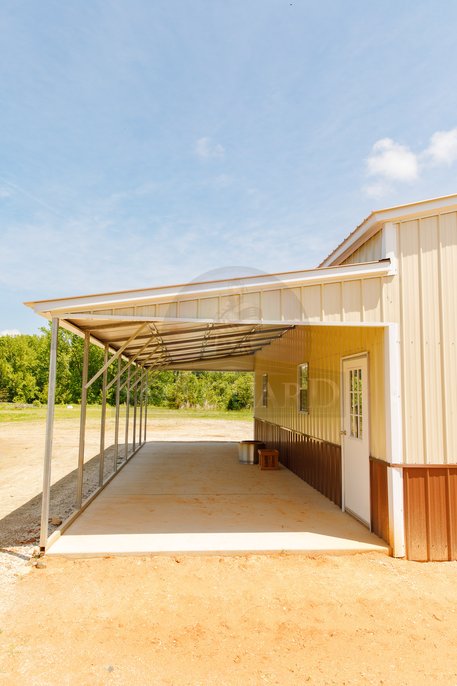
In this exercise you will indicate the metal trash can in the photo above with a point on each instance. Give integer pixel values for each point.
(247, 451)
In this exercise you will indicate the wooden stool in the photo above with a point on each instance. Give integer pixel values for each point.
(268, 459)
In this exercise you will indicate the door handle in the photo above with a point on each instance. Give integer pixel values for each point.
(343, 432)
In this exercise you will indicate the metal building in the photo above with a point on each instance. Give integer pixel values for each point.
(355, 367)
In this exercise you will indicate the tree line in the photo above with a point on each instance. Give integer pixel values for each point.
(24, 361)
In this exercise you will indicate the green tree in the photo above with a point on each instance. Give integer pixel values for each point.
(24, 372)
(18, 360)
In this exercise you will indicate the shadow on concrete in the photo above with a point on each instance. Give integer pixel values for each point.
(22, 525)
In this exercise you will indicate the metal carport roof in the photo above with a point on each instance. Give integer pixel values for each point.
(204, 325)
(212, 325)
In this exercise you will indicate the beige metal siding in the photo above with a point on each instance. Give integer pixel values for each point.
(368, 252)
(351, 301)
(428, 294)
(448, 262)
(431, 354)
(349, 298)
(323, 348)
(411, 343)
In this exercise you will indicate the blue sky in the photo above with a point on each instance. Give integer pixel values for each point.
(144, 143)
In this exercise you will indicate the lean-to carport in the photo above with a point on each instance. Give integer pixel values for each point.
(218, 325)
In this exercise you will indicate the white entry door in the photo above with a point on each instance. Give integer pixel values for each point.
(355, 438)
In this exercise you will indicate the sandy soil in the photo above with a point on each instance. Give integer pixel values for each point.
(259, 619)
(363, 619)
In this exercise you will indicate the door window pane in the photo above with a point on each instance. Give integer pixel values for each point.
(355, 403)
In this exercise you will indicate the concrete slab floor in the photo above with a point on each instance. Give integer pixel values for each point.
(176, 497)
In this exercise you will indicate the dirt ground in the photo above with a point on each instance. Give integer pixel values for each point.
(196, 620)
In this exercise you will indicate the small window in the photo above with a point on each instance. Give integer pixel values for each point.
(355, 410)
(264, 390)
(303, 386)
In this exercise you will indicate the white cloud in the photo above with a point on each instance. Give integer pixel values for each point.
(443, 147)
(392, 161)
(205, 149)
(5, 193)
(10, 332)
(378, 189)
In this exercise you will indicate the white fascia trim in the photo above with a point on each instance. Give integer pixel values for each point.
(394, 438)
(188, 320)
(380, 216)
(390, 243)
(209, 289)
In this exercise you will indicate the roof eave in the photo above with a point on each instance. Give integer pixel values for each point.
(376, 220)
(62, 306)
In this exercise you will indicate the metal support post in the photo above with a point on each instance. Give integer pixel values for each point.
(146, 407)
(130, 362)
(135, 401)
(49, 435)
(140, 435)
(127, 408)
(103, 420)
(82, 423)
(116, 426)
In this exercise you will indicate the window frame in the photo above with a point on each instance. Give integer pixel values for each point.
(264, 397)
(302, 410)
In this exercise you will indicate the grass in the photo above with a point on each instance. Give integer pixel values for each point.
(11, 412)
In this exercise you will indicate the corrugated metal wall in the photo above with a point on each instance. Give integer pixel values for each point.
(316, 462)
(368, 252)
(428, 315)
(322, 348)
(346, 300)
(430, 495)
(379, 499)
(423, 300)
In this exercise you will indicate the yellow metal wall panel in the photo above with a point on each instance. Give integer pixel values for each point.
(352, 301)
(368, 252)
(331, 305)
(411, 334)
(322, 347)
(432, 406)
(448, 263)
